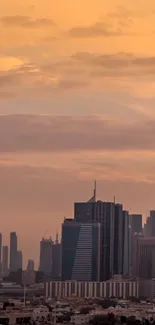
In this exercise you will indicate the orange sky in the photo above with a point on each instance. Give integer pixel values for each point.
(85, 70)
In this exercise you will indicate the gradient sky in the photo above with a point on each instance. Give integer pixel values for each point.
(77, 103)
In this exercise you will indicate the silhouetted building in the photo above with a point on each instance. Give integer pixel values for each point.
(46, 256)
(30, 265)
(5, 257)
(28, 277)
(136, 223)
(0, 253)
(113, 228)
(19, 260)
(56, 260)
(126, 244)
(13, 252)
(80, 251)
(143, 259)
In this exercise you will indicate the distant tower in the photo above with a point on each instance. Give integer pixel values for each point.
(13, 252)
(30, 265)
(0, 252)
(95, 191)
(5, 260)
(19, 260)
(57, 239)
(46, 256)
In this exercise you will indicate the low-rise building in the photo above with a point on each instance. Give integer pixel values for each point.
(113, 288)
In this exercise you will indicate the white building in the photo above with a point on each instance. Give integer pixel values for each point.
(113, 288)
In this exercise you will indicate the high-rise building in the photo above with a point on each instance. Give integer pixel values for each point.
(85, 211)
(118, 238)
(136, 223)
(19, 260)
(56, 260)
(5, 256)
(0, 253)
(126, 245)
(13, 252)
(46, 256)
(30, 265)
(111, 217)
(80, 251)
(143, 259)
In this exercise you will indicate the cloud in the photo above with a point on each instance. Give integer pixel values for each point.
(95, 30)
(78, 71)
(26, 22)
(60, 133)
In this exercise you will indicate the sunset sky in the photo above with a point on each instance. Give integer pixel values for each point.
(77, 103)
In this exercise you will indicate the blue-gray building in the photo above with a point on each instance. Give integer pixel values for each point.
(80, 251)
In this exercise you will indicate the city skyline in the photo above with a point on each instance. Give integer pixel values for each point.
(76, 104)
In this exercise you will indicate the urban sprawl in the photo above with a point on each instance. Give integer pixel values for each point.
(101, 271)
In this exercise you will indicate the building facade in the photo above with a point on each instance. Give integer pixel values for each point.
(19, 260)
(80, 289)
(56, 261)
(136, 223)
(115, 232)
(45, 265)
(5, 256)
(30, 265)
(80, 251)
(143, 261)
(13, 252)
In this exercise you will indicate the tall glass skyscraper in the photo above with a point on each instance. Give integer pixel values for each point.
(80, 251)
(114, 225)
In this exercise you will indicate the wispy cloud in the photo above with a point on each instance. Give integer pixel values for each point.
(26, 22)
(95, 30)
(46, 133)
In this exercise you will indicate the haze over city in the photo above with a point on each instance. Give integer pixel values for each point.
(77, 104)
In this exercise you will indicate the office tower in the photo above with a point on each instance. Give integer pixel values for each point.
(147, 227)
(0, 253)
(118, 239)
(19, 260)
(5, 256)
(143, 259)
(105, 215)
(30, 265)
(46, 256)
(80, 251)
(56, 259)
(84, 211)
(136, 223)
(13, 252)
(126, 244)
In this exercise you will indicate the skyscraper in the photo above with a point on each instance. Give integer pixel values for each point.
(136, 223)
(30, 265)
(19, 260)
(111, 217)
(118, 239)
(46, 256)
(56, 260)
(80, 251)
(5, 257)
(126, 244)
(143, 257)
(0, 253)
(13, 252)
